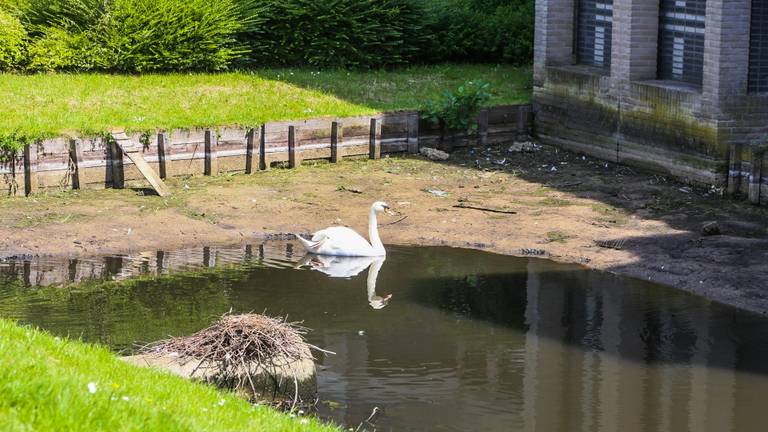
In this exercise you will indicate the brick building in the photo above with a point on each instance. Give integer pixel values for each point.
(676, 86)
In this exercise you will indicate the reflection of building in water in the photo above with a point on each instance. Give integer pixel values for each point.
(609, 386)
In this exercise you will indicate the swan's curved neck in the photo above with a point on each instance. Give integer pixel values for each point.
(373, 232)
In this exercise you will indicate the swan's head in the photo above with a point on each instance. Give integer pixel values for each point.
(379, 207)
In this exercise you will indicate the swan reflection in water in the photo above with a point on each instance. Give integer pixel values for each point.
(348, 267)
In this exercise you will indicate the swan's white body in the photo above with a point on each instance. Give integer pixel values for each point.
(342, 241)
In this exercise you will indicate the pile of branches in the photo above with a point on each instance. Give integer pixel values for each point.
(236, 344)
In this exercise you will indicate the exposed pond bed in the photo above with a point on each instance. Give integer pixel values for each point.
(467, 341)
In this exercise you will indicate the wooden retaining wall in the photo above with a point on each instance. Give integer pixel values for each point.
(96, 162)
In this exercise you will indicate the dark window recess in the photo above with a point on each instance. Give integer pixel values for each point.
(681, 40)
(593, 39)
(758, 47)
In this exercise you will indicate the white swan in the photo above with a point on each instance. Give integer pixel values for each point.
(342, 241)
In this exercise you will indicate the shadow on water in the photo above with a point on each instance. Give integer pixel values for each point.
(438, 338)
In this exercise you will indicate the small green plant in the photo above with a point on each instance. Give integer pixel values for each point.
(558, 237)
(458, 110)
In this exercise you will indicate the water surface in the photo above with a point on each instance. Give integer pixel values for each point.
(467, 341)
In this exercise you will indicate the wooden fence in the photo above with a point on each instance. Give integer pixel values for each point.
(97, 162)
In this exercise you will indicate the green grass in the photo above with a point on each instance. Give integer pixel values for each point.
(44, 383)
(45, 105)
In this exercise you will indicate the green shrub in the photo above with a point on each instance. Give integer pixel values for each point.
(458, 110)
(338, 33)
(12, 42)
(481, 31)
(179, 35)
(59, 49)
(73, 15)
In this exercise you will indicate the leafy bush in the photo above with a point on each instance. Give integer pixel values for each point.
(458, 110)
(481, 31)
(12, 41)
(134, 35)
(180, 35)
(338, 33)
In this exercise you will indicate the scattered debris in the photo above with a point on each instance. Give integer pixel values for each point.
(617, 244)
(710, 228)
(488, 209)
(434, 154)
(525, 146)
(532, 252)
(437, 192)
(349, 189)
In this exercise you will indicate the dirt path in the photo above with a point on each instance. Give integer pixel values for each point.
(568, 208)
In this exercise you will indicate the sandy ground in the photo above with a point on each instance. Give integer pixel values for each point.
(567, 208)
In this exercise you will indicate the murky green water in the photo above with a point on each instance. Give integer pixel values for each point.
(467, 340)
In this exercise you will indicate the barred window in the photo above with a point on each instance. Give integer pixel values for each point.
(593, 38)
(681, 40)
(758, 47)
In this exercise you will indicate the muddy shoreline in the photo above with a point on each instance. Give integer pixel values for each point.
(567, 208)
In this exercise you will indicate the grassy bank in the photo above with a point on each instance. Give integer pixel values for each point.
(36, 106)
(49, 383)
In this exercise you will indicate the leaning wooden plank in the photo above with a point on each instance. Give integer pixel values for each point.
(152, 177)
(133, 151)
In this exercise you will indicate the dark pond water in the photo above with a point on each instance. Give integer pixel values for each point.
(467, 341)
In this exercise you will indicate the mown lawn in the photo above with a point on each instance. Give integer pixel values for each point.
(35, 106)
(57, 384)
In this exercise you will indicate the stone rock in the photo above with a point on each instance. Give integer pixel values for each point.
(710, 228)
(525, 146)
(434, 154)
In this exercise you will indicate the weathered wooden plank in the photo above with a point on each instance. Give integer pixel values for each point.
(152, 177)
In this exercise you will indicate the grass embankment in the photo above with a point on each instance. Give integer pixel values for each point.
(36, 106)
(50, 383)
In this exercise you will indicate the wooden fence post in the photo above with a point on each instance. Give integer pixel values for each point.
(293, 160)
(30, 170)
(374, 146)
(163, 150)
(336, 136)
(116, 161)
(249, 141)
(413, 133)
(734, 169)
(211, 159)
(263, 147)
(755, 177)
(76, 156)
(482, 127)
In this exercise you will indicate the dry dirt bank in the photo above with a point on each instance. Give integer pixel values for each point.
(567, 207)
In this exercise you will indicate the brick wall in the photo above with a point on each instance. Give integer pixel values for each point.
(629, 116)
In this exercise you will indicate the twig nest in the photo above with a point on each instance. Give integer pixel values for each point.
(264, 357)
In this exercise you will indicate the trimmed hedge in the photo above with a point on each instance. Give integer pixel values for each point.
(134, 35)
(338, 33)
(204, 35)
